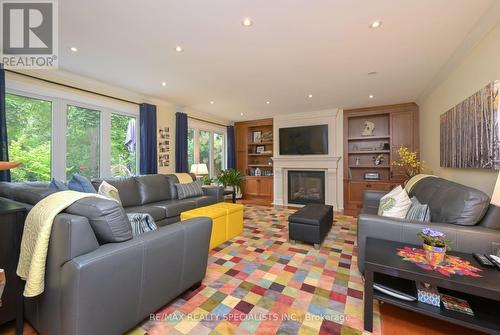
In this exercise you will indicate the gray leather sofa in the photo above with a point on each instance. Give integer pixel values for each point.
(96, 287)
(157, 195)
(456, 210)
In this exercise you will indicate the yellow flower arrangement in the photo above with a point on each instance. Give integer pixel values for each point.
(408, 160)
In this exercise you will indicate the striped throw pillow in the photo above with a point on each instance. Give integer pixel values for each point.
(141, 223)
(189, 190)
(418, 211)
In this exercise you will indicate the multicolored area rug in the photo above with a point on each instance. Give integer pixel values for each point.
(259, 283)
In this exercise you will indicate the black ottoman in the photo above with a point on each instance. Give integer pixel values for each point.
(310, 224)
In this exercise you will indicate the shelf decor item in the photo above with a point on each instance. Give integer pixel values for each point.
(369, 128)
(379, 159)
(259, 149)
(428, 294)
(409, 162)
(435, 245)
(256, 136)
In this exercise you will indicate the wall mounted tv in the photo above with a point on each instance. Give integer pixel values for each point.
(308, 140)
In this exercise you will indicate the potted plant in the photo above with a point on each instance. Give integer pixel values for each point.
(435, 245)
(232, 178)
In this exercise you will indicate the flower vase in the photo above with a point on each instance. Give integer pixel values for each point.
(434, 255)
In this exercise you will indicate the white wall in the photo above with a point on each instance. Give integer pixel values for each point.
(479, 67)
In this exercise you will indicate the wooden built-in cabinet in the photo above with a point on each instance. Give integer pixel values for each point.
(248, 159)
(395, 126)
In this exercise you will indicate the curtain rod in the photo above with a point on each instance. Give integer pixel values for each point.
(73, 87)
(216, 123)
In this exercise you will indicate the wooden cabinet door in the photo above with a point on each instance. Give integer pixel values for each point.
(357, 189)
(252, 186)
(266, 187)
(402, 135)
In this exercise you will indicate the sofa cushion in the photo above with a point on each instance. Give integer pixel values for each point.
(189, 190)
(175, 207)
(81, 184)
(418, 211)
(106, 217)
(153, 188)
(157, 213)
(58, 185)
(29, 194)
(127, 188)
(172, 180)
(204, 200)
(450, 202)
(109, 191)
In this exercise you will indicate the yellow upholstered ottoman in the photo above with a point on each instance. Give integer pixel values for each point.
(218, 217)
(234, 218)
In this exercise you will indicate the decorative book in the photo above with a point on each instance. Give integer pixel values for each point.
(456, 304)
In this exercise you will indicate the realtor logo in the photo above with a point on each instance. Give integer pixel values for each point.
(29, 38)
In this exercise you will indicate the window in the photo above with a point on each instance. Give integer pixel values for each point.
(204, 148)
(55, 138)
(83, 134)
(123, 145)
(206, 144)
(218, 152)
(29, 132)
(190, 147)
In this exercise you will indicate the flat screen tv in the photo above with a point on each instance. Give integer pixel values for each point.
(308, 140)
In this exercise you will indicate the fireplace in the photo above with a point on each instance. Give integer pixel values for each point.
(306, 187)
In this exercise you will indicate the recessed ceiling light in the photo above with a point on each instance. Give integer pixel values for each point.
(179, 48)
(310, 96)
(247, 22)
(74, 49)
(241, 114)
(375, 24)
(268, 102)
(372, 73)
(164, 84)
(371, 96)
(212, 102)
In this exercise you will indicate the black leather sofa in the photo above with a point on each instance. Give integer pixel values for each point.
(96, 287)
(456, 210)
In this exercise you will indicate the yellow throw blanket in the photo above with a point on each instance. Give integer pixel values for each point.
(36, 236)
(184, 178)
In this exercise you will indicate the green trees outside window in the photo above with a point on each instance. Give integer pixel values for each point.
(29, 132)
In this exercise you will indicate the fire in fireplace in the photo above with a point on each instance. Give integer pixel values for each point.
(306, 187)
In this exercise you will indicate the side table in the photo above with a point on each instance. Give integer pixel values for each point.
(12, 218)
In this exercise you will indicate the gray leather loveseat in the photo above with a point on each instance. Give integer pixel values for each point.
(101, 280)
(456, 210)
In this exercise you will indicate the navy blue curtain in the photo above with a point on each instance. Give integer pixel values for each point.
(231, 148)
(4, 154)
(181, 142)
(148, 161)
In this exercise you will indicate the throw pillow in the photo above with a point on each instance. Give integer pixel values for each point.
(418, 211)
(109, 191)
(141, 223)
(80, 184)
(189, 190)
(395, 203)
(58, 185)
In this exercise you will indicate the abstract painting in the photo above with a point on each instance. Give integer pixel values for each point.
(470, 131)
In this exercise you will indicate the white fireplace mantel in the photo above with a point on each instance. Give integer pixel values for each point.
(330, 163)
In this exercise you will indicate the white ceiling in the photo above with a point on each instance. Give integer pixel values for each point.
(295, 47)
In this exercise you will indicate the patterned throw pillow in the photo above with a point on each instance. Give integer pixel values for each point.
(141, 223)
(189, 190)
(418, 211)
(395, 203)
(109, 191)
(81, 184)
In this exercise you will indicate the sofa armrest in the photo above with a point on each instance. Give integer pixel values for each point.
(372, 198)
(214, 191)
(114, 287)
(463, 238)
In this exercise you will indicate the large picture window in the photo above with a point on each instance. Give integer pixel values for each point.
(206, 144)
(55, 138)
(29, 132)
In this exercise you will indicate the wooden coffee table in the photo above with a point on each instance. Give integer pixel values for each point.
(483, 293)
